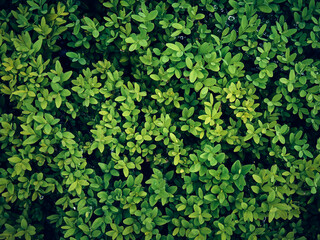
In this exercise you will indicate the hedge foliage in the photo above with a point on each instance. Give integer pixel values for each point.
(160, 119)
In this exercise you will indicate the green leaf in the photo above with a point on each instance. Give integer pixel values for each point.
(73, 186)
(58, 101)
(120, 98)
(209, 82)
(95, 33)
(37, 45)
(232, 69)
(97, 223)
(309, 182)
(209, 197)
(130, 181)
(155, 77)
(47, 129)
(195, 167)
(127, 230)
(65, 77)
(257, 178)
(125, 171)
(215, 189)
(160, 221)
(101, 147)
(31, 140)
(84, 228)
(72, 55)
(3, 181)
(265, 8)
(255, 189)
(39, 119)
(244, 21)
(137, 18)
(177, 26)
(65, 93)
(173, 47)
(189, 63)
(89, 22)
(193, 76)
(82, 61)
(152, 15)
(271, 196)
(70, 232)
(205, 230)
(193, 233)
(68, 135)
(272, 214)
(24, 224)
(56, 87)
(236, 167)
(128, 221)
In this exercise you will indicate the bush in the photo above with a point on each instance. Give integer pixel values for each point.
(160, 119)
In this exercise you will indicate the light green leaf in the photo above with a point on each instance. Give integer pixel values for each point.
(189, 63)
(173, 47)
(195, 167)
(73, 186)
(31, 140)
(58, 101)
(265, 8)
(257, 178)
(193, 76)
(97, 223)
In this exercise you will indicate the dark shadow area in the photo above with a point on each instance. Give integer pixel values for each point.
(309, 52)
(61, 55)
(146, 170)
(7, 106)
(49, 230)
(93, 9)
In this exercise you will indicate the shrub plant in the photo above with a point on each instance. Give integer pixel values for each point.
(160, 119)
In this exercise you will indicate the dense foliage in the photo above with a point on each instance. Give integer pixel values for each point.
(160, 119)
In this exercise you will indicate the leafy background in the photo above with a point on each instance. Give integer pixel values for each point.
(159, 119)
